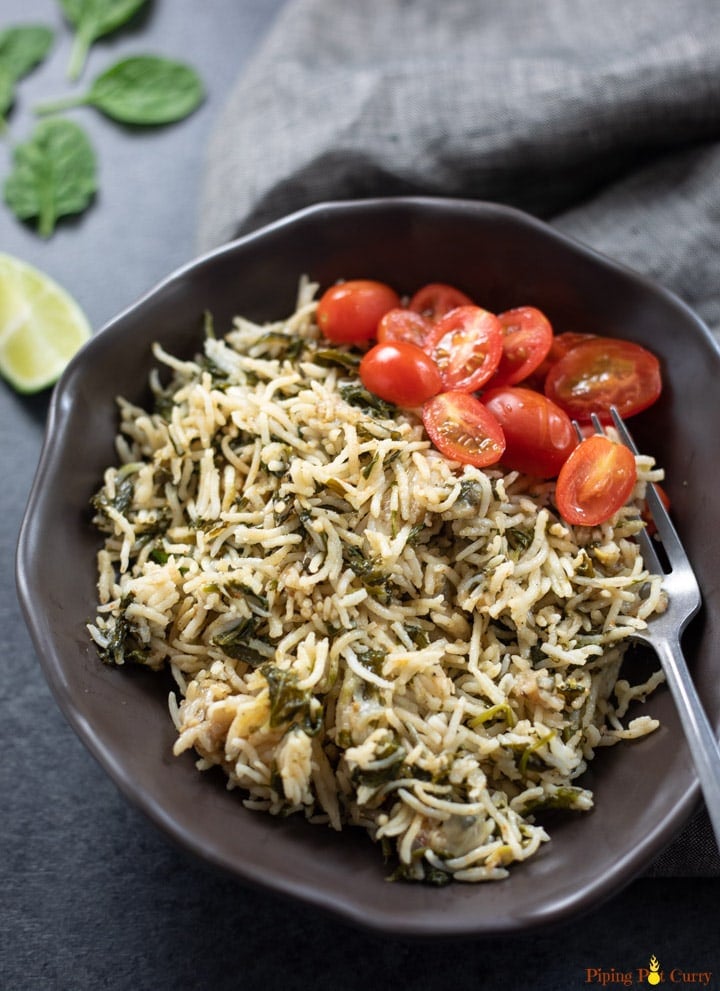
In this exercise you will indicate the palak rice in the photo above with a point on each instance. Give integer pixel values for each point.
(360, 630)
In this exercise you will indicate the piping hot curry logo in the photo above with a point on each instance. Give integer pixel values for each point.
(653, 974)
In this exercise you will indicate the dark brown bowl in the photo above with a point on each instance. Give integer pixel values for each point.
(644, 791)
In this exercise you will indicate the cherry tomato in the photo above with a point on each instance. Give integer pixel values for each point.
(604, 372)
(462, 429)
(561, 344)
(466, 344)
(539, 435)
(528, 336)
(401, 324)
(436, 299)
(400, 372)
(349, 312)
(595, 481)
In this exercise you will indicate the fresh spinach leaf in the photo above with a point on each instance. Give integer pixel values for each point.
(142, 89)
(92, 19)
(22, 47)
(7, 88)
(147, 90)
(53, 174)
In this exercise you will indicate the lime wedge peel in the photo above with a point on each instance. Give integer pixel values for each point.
(41, 326)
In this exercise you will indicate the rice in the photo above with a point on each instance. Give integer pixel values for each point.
(361, 631)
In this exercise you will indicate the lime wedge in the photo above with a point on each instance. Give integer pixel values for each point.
(41, 326)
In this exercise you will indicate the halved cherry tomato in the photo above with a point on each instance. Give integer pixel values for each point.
(595, 481)
(466, 344)
(349, 312)
(539, 435)
(462, 429)
(436, 299)
(400, 372)
(528, 336)
(561, 344)
(401, 324)
(601, 373)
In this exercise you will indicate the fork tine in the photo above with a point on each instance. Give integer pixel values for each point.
(599, 429)
(665, 529)
(650, 555)
(647, 545)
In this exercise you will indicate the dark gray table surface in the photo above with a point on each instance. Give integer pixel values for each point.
(91, 894)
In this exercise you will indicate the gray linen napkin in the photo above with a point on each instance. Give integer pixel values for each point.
(602, 118)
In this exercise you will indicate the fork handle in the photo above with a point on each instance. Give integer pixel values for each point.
(699, 733)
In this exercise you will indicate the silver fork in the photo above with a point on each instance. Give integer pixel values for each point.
(664, 633)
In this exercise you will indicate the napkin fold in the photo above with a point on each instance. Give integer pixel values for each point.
(601, 118)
